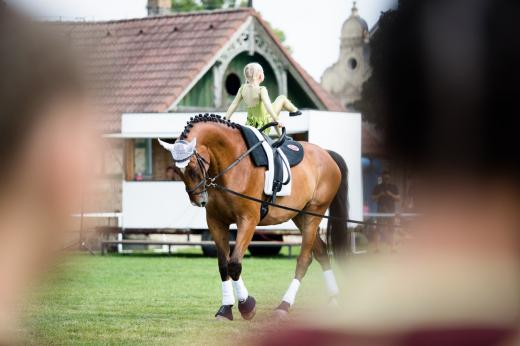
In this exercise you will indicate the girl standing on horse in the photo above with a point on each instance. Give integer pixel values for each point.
(256, 98)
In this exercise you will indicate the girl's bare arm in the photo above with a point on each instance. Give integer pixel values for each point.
(234, 105)
(269, 107)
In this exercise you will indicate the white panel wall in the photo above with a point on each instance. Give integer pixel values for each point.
(159, 204)
(166, 204)
(341, 132)
(157, 125)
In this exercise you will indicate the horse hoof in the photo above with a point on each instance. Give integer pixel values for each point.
(247, 308)
(225, 313)
(280, 315)
(282, 311)
(222, 318)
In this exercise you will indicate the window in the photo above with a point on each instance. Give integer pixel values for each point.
(232, 84)
(352, 63)
(143, 159)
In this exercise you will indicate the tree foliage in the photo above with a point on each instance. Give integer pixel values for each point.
(200, 5)
(185, 5)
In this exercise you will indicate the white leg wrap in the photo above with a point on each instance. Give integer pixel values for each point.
(330, 282)
(290, 295)
(241, 290)
(228, 298)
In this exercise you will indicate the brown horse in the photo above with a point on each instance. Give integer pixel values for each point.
(211, 144)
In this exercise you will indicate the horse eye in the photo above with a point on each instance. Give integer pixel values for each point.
(191, 173)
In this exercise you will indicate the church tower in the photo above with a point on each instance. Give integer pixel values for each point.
(345, 78)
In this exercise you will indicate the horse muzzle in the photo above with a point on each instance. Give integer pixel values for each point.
(200, 200)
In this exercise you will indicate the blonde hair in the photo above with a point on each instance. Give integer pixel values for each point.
(252, 71)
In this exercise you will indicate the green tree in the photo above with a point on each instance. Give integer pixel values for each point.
(216, 4)
(200, 5)
(185, 5)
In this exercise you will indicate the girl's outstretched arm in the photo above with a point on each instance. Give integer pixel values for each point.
(234, 105)
(264, 95)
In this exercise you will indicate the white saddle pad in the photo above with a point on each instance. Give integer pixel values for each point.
(269, 174)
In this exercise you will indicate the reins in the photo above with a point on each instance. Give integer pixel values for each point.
(241, 195)
(209, 182)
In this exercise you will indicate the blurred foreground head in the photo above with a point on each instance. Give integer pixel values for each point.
(445, 82)
(448, 76)
(45, 148)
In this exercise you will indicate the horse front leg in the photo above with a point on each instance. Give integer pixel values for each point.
(220, 234)
(246, 303)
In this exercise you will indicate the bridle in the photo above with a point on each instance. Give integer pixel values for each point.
(201, 161)
(208, 181)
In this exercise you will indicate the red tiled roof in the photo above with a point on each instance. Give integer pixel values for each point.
(144, 65)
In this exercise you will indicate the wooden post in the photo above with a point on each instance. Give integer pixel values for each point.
(129, 159)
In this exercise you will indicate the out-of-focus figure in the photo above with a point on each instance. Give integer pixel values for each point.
(46, 156)
(170, 174)
(445, 80)
(386, 196)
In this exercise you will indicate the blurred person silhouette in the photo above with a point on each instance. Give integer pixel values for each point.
(409, 204)
(46, 153)
(446, 78)
(170, 173)
(386, 196)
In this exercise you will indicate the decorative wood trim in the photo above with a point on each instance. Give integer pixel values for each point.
(208, 66)
(251, 37)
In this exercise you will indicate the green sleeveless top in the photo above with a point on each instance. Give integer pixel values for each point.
(257, 115)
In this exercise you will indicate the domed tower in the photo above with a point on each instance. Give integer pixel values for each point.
(344, 79)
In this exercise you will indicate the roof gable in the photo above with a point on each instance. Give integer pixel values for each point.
(148, 64)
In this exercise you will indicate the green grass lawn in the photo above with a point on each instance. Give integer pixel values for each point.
(154, 299)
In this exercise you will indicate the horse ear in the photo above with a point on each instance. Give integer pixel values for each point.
(165, 145)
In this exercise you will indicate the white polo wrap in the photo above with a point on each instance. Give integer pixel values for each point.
(228, 298)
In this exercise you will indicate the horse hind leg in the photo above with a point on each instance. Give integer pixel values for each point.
(319, 251)
(308, 226)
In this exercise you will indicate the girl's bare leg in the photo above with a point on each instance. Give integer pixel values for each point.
(282, 103)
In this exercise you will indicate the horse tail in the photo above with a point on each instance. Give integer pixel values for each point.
(338, 239)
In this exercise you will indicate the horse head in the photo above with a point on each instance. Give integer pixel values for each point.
(192, 167)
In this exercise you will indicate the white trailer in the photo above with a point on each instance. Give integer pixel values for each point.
(165, 204)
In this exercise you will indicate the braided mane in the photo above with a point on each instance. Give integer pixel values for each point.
(203, 118)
